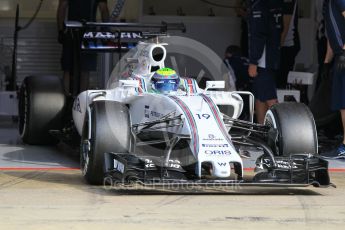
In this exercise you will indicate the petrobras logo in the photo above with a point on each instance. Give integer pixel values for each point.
(217, 152)
(215, 145)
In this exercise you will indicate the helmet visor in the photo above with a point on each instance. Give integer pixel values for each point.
(166, 85)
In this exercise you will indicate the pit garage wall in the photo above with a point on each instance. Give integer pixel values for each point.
(219, 32)
(215, 32)
(38, 52)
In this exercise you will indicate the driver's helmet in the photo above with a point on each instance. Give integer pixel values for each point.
(165, 80)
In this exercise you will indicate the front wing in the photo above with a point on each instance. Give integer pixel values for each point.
(127, 171)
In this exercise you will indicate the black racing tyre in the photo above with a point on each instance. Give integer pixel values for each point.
(110, 132)
(296, 129)
(40, 108)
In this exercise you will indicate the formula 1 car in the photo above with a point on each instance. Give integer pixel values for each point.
(153, 127)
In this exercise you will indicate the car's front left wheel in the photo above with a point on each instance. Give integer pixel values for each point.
(110, 132)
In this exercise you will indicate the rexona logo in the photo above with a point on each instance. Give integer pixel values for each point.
(218, 152)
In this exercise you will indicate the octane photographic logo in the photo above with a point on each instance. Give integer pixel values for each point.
(111, 185)
(189, 59)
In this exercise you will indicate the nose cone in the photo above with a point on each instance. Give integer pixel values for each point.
(221, 169)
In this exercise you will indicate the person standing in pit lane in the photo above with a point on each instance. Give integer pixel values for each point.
(321, 42)
(78, 10)
(265, 27)
(334, 16)
(290, 42)
(241, 12)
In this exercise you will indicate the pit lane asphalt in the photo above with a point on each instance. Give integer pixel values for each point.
(41, 188)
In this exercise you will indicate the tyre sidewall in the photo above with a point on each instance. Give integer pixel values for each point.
(103, 138)
(296, 129)
(41, 107)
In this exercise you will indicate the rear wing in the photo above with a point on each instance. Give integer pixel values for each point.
(117, 37)
(110, 37)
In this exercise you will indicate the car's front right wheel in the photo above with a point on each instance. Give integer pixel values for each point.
(295, 127)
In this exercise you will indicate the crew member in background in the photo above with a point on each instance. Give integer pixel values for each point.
(334, 16)
(115, 15)
(265, 27)
(78, 10)
(321, 42)
(290, 42)
(241, 11)
(239, 65)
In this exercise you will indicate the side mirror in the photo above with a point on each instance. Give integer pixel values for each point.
(129, 83)
(215, 85)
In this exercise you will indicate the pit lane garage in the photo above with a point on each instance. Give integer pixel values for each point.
(156, 146)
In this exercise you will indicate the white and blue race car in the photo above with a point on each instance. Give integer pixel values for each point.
(153, 127)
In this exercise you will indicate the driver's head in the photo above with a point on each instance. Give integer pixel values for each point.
(165, 80)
